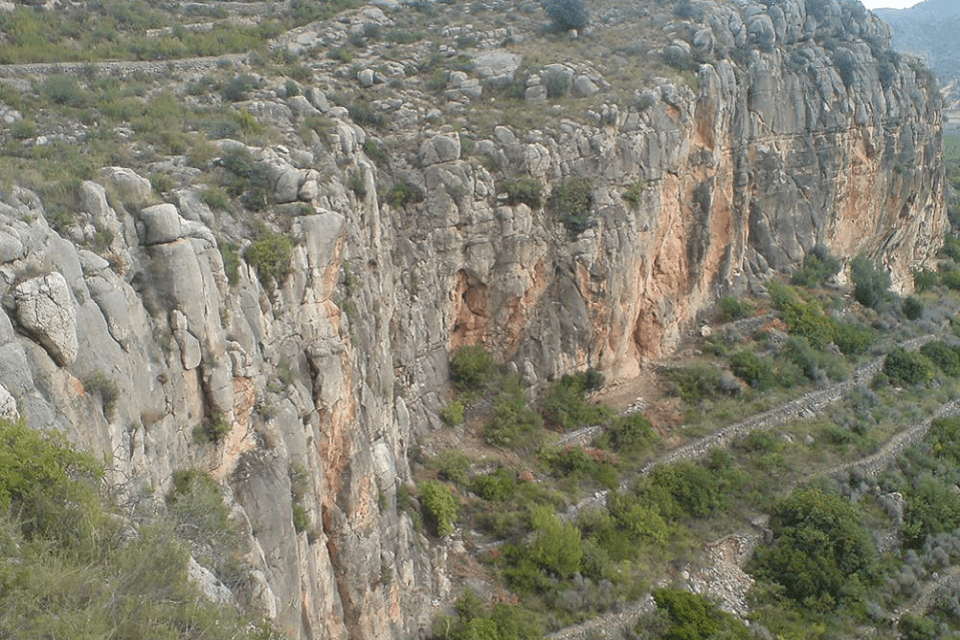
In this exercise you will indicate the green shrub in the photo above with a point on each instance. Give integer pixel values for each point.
(564, 405)
(634, 193)
(908, 368)
(69, 571)
(252, 182)
(237, 88)
(301, 518)
(230, 254)
(357, 183)
(733, 309)
(567, 14)
(212, 429)
(695, 383)
(452, 466)
(402, 194)
(107, 388)
(871, 284)
(951, 248)
(687, 489)
(513, 424)
(691, 617)
(473, 369)
(631, 434)
(215, 198)
(440, 507)
(452, 413)
(196, 505)
(913, 627)
(942, 355)
(557, 84)
(752, 369)
(571, 201)
(525, 190)
(48, 487)
(375, 151)
(270, 254)
(63, 90)
(924, 279)
(497, 486)
(951, 279)
(851, 338)
(818, 266)
(823, 553)
(933, 506)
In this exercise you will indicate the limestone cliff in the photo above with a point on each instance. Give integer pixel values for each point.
(795, 126)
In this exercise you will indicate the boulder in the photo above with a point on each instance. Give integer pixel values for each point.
(131, 187)
(46, 311)
(440, 148)
(496, 64)
(161, 223)
(584, 86)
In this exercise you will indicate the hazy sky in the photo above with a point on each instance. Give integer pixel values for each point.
(889, 4)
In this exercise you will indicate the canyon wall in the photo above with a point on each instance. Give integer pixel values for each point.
(796, 127)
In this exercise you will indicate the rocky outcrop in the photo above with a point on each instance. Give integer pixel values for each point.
(790, 131)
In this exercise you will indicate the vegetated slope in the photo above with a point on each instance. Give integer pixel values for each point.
(258, 268)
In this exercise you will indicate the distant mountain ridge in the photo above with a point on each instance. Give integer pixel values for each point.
(930, 30)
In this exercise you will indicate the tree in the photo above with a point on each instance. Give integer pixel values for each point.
(822, 553)
(694, 618)
(568, 14)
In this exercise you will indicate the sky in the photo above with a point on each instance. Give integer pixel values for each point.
(888, 4)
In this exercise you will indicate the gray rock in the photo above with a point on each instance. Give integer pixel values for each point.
(10, 247)
(8, 406)
(366, 77)
(318, 99)
(161, 224)
(301, 106)
(584, 86)
(45, 310)
(496, 64)
(208, 584)
(440, 148)
(132, 188)
(536, 94)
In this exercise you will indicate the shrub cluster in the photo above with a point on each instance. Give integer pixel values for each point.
(818, 266)
(871, 285)
(524, 189)
(440, 507)
(571, 201)
(473, 369)
(567, 14)
(270, 254)
(823, 555)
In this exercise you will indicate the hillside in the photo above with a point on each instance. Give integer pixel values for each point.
(928, 30)
(463, 320)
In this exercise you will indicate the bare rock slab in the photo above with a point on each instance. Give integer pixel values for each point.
(46, 311)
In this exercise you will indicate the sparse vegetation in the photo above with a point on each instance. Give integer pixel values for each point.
(270, 255)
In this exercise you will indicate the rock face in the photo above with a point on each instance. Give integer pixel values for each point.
(793, 132)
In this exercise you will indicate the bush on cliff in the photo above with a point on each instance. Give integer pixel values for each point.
(473, 369)
(440, 507)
